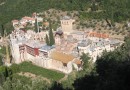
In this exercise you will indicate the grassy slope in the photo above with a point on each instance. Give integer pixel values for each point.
(50, 74)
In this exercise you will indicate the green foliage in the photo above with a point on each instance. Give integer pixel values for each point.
(2, 76)
(36, 27)
(112, 71)
(15, 9)
(86, 61)
(19, 82)
(2, 30)
(112, 8)
(2, 1)
(23, 79)
(94, 7)
(3, 50)
(68, 83)
(47, 40)
(1, 62)
(87, 82)
(50, 74)
(23, 83)
(7, 85)
(51, 36)
(87, 66)
(5, 72)
(39, 84)
(15, 68)
(56, 86)
(91, 15)
(126, 46)
(9, 27)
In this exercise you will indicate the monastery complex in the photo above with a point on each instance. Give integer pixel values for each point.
(69, 45)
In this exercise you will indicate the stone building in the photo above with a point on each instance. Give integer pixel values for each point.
(67, 24)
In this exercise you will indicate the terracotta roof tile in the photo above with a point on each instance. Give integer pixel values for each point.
(15, 21)
(77, 61)
(99, 35)
(28, 18)
(59, 56)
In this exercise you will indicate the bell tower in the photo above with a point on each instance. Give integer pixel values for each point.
(67, 24)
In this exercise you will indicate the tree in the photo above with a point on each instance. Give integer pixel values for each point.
(112, 71)
(36, 27)
(1, 63)
(56, 86)
(39, 84)
(2, 75)
(15, 68)
(9, 27)
(2, 30)
(88, 82)
(51, 36)
(87, 65)
(85, 58)
(68, 83)
(93, 7)
(7, 85)
(47, 40)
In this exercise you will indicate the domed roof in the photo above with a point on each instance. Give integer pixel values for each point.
(59, 31)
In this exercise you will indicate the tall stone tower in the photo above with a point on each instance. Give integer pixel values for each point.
(67, 24)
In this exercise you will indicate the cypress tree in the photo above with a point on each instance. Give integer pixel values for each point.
(51, 37)
(36, 28)
(2, 30)
(6, 72)
(1, 62)
(47, 40)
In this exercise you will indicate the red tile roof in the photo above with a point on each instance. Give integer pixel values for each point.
(60, 56)
(99, 35)
(14, 21)
(77, 61)
(28, 18)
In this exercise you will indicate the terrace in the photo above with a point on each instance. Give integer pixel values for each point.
(49, 74)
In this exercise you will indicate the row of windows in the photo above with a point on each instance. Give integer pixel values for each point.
(65, 23)
(30, 51)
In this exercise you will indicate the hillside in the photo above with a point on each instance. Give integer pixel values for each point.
(17, 8)
(112, 9)
(111, 71)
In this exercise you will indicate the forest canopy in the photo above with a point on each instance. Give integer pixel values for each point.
(116, 10)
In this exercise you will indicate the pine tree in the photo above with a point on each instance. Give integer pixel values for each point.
(51, 37)
(47, 40)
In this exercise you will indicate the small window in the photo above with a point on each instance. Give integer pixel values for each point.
(65, 64)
